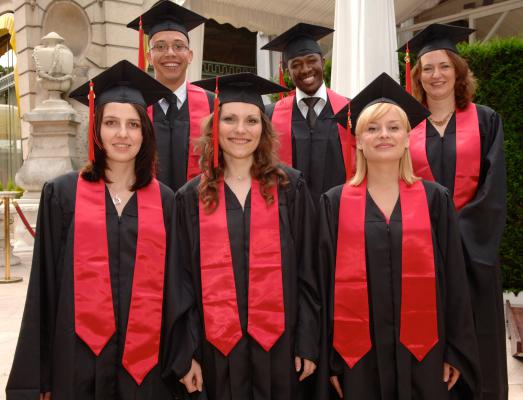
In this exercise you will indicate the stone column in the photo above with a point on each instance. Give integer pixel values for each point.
(53, 122)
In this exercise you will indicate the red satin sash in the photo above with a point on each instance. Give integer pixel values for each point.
(266, 313)
(198, 109)
(468, 154)
(220, 309)
(142, 341)
(94, 313)
(282, 122)
(418, 309)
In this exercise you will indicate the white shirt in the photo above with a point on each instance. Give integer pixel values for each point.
(318, 107)
(181, 96)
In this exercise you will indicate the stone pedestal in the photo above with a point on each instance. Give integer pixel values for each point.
(51, 150)
(23, 241)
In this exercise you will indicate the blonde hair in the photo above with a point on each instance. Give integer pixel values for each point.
(368, 115)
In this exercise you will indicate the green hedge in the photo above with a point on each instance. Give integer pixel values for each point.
(498, 67)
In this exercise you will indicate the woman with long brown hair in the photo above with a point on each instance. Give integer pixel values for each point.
(399, 315)
(92, 325)
(460, 146)
(245, 227)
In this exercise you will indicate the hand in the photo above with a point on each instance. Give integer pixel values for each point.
(45, 396)
(336, 383)
(193, 380)
(450, 375)
(308, 367)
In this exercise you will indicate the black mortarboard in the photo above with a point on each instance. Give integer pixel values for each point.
(437, 37)
(299, 40)
(383, 89)
(244, 87)
(167, 16)
(122, 83)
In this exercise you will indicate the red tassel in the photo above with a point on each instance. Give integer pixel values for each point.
(282, 81)
(90, 133)
(215, 122)
(350, 142)
(141, 53)
(407, 71)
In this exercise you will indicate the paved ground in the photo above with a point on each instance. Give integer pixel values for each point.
(12, 300)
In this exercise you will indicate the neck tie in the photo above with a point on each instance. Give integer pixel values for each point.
(311, 114)
(173, 107)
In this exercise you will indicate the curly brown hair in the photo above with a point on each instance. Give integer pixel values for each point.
(464, 88)
(265, 167)
(146, 159)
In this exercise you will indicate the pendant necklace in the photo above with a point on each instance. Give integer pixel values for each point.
(116, 200)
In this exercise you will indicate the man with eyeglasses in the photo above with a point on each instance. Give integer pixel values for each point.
(177, 119)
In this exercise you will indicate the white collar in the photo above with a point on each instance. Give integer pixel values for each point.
(321, 93)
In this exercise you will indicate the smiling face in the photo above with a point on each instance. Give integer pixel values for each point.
(306, 72)
(170, 66)
(121, 132)
(384, 139)
(240, 130)
(438, 75)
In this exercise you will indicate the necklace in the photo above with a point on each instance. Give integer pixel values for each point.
(116, 200)
(443, 121)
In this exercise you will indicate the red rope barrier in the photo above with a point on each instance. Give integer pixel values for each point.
(24, 220)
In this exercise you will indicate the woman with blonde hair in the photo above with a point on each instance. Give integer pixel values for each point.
(460, 146)
(399, 315)
(246, 238)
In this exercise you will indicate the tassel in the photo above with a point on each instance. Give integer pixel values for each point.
(282, 81)
(350, 142)
(91, 137)
(215, 121)
(407, 71)
(141, 52)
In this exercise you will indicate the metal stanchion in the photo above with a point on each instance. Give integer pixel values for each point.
(6, 198)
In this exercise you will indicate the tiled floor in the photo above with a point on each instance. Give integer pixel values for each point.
(12, 299)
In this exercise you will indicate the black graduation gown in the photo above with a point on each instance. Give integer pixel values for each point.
(49, 356)
(389, 370)
(316, 152)
(173, 144)
(249, 372)
(481, 223)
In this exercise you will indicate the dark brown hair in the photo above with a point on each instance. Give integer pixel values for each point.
(145, 163)
(264, 168)
(464, 88)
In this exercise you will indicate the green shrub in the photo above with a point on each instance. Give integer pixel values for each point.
(498, 67)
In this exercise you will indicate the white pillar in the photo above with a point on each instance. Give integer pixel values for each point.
(194, 72)
(263, 57)
(364, 44)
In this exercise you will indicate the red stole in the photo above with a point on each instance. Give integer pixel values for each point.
(198, 110)
(94, 312)
(266, 317)
(282, 122)
(419, 331)
(468, 154)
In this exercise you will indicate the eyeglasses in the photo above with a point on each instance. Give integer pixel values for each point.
(164, 47)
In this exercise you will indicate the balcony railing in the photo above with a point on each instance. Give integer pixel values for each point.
(7, 81)
(211, 68)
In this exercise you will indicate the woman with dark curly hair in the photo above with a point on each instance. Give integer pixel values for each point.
(95, 306)
(461, 147)
(246, 229)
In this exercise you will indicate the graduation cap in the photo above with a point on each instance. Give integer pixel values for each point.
(299, 40)
(122, 83)
(244, 88)
(167, 16)
(433, 37)
(437, 37)
(383, 89)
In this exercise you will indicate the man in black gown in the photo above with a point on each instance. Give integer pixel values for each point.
(317, 142)
(176, 119)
